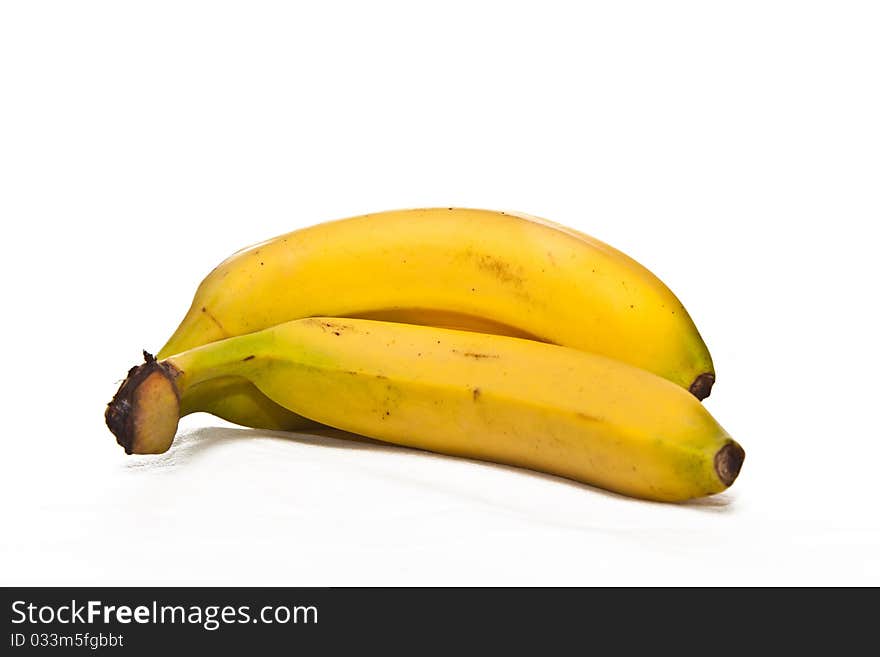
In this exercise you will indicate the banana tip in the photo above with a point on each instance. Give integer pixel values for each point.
(143, 413)
(728, 462)
(702, 385)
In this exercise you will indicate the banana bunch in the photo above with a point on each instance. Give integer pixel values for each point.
(484, 334)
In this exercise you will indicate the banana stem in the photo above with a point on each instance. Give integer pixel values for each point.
(144, 411)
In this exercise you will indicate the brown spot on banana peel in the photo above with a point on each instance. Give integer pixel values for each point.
(144, 412)
(325, 326)
(702, 385)
(728, 462)
(499, 268)
(474, 355)
(216, 321)
(336, 326)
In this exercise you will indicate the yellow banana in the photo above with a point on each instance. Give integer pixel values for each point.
(494, 272)
(497, 398)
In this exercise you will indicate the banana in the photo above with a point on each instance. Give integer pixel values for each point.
(497, 398)
(236, 399)
(480, 270)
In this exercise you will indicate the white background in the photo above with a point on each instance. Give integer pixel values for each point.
(733, 148)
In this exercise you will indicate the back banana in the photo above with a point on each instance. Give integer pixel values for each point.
(481, 270)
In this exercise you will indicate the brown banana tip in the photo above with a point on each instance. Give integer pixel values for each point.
(702, 385)
(143, 413)
(728, 462)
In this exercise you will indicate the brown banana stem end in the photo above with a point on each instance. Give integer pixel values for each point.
(728, 462)
(144, 412)
(702, 385)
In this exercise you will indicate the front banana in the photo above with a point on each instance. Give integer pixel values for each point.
(481, 270)
(496, 398)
